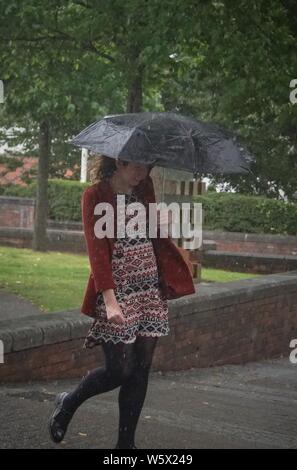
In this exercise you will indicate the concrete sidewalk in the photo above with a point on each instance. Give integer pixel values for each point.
(14, 306)
(248, 406)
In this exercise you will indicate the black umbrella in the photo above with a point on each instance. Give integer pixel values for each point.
(169, 140)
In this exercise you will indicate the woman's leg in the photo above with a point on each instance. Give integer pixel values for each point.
(133, 391)
(118, 366)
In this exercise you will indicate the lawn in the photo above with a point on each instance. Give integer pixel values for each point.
(56, 281)
(52, 281)
(219, 275)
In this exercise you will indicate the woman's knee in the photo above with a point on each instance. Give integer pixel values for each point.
(119, 361)
(127, 371)
(121, 372)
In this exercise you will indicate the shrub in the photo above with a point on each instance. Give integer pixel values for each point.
(243, 213)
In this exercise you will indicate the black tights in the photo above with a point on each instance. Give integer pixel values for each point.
(127, 366)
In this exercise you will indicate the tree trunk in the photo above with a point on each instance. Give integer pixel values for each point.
(40, 241)
(134, 101)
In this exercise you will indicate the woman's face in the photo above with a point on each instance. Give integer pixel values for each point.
(132, 173)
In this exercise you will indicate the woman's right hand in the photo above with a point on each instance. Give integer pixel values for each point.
(113, 310)
(114, 313)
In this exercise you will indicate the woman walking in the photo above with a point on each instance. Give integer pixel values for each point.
(130, 281)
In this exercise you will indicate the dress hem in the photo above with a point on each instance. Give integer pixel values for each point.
(101, 339)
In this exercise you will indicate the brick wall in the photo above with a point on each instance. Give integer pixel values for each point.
(64, 359)
(256, 263)
(253, 242)
(72, 241)
(16, 212)
(228, 323)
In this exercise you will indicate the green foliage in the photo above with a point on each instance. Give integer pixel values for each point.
(64, 198)
(234, 68)
(250, 214)
(11, 163)
(20, 191)
(228, 62)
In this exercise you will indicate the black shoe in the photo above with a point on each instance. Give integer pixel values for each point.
(59, 419)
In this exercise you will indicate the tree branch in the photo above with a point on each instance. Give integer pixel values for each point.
(83, 4)
(88, 45)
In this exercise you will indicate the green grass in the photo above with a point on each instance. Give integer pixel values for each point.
(52, 281)
(56, 281)
(219, 275)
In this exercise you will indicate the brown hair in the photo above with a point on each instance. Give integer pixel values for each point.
(103, 167)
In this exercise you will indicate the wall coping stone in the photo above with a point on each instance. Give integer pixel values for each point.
(246, 254)
(24, 201)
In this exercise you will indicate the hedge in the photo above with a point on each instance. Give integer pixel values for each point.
(250, 214)
(221, 211)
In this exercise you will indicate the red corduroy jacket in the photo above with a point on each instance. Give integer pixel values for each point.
(174, 274)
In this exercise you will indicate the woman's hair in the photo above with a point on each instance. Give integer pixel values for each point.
(103, 167)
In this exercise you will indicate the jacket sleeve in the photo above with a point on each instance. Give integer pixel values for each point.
(98, 248)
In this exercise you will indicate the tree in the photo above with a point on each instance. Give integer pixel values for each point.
(48, 89)
(57, 58)
(234, 68)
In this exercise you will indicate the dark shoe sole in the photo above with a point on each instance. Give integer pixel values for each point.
(58, 406)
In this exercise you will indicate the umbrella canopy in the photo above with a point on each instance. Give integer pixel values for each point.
(169, 140)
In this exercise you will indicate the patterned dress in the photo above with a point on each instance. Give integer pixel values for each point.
(137, 291)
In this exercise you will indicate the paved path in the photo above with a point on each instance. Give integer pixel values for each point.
(14, 306)
(249, 406)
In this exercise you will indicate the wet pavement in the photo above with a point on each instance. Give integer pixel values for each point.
(233, 406)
